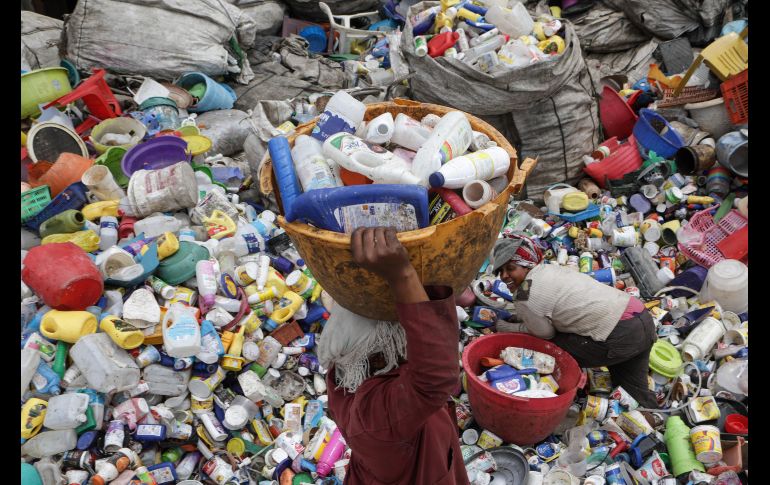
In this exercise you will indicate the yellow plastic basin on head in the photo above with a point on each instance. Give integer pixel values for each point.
(449, 254)
(42, 86)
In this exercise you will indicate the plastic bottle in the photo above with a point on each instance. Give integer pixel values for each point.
(702, 339)
(514, 22)
(450, 139)
(108, 232)
(49, 443)
(441, 42)
(483, 165)
(404, 207)
(409, 133)
(68, 221)
(211, 344)
(681, 453)
(67, 326)
(423, 21)
(125, 335)
(285, 174)
(66, 411)
(30, 359)
(332, 452)
(470, 55)
(372, 161)
(380, 130)
(343, 113)
(486, 36)
(206, 276)
(156, 225)
(181, 332)
(477, 193)
(312, 168)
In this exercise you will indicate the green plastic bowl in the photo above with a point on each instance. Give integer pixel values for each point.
(42, 86)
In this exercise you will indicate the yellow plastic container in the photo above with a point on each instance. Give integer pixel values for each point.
(67, 326)
(87, 240)
(219, 225)
(32, 417)
(121, 332)
(450, 253)
(575, 202)
(100, 209)
(168, 244)
(290, 303)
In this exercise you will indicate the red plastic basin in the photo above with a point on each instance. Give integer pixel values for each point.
(517, 420)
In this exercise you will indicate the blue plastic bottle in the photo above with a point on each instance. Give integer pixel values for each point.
(285, 174)
(46, 381)
(34, 324)
(343, 209)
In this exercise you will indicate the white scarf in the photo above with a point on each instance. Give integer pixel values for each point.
(349, 339)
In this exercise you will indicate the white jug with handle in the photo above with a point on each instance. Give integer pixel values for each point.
(554, 195)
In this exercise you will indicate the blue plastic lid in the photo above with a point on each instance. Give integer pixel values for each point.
(300, 262)
(87, 439)
(316, 37)
(436, 179)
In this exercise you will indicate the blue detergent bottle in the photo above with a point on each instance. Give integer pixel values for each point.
(285, 174)
(343, 209)
(46, 380)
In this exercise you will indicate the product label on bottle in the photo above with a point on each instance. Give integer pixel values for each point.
(317, 175)
(163, 475)
(400, 216)
(483, 163)
(107, 224)
(330, 123)
(252, 242)
(350, 145)
(453, 147)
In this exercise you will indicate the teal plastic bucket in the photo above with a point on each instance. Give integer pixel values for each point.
(217, 95)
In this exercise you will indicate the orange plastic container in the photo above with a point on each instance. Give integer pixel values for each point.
(519, 420)
(68, 169)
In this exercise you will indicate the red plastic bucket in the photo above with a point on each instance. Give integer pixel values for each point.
(63, 275)
(517, 420)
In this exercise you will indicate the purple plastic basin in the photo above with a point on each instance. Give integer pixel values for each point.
(155, 154)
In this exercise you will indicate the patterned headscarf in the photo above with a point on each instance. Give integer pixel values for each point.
(517, 248)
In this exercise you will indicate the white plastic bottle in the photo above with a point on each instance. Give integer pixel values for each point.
(409, 133)
(108, 232)
(312, 169)
(181, 332)
(155, 225)
(66, 411)
(49, 443)
(380, 130)
(451, 137)
(369, 160)
(343, 113)
(206, 276)
(30, 359)
(483, 165)
(474, 53)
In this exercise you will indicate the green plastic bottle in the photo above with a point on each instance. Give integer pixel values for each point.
(60, 362)
(677, 437)
(65, 222)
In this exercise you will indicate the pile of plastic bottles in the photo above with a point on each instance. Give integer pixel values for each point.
(487, 35)
(168, 336)
(325, 178)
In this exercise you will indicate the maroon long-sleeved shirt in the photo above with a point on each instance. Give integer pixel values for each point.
(398, 424)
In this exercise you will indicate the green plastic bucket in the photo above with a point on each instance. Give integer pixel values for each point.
(180, 266)
(111, 159)
(42, 86)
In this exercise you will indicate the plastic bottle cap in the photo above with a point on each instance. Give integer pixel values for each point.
(436, 179)
(300, 262)
(303, 371)
(280, 359)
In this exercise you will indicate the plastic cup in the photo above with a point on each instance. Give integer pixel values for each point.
(101, 183)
